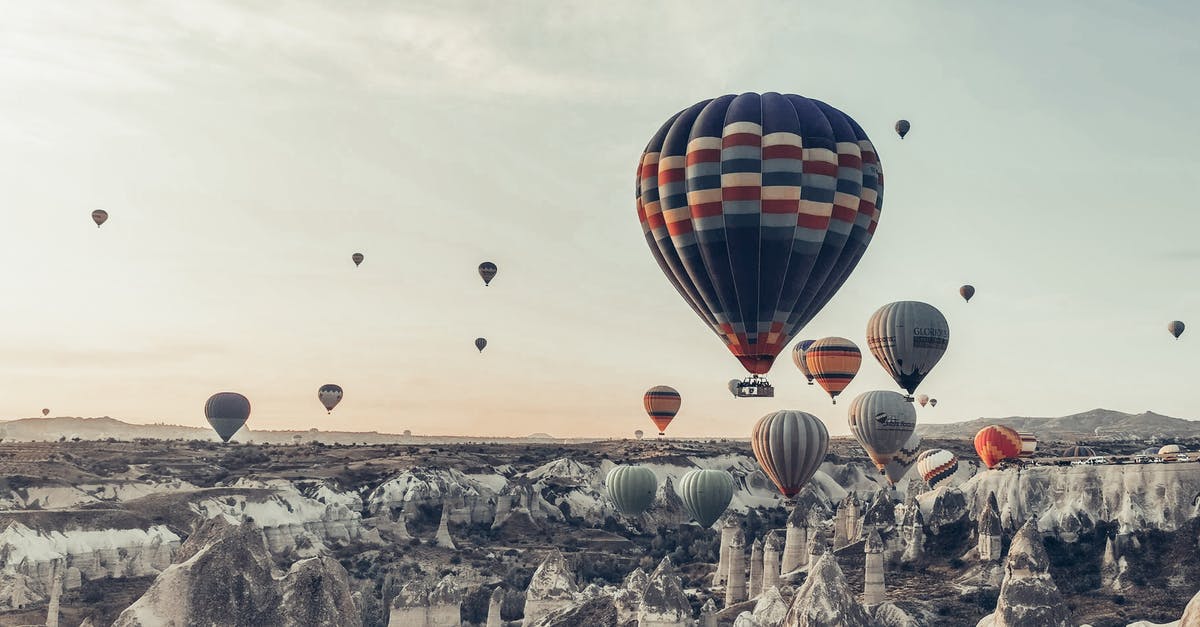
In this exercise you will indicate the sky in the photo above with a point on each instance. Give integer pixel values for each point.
(244, 152)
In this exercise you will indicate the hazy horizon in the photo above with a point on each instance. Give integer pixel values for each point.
(244, 154)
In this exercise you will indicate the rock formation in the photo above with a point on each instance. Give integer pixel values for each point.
(845, 529)
(223, 576)
(888, 615)
(795, 548)
(708, 614)
(912, 534)
(756, 568)
(663, 602)
(735, 589)
(1028, 595)
(729, 527)
(873, 585)
(990, 533)
(494, 605)
(772, 550)
(1191, 613)
(770, 609)
(825, 599)
(443, 539)
(552, 588)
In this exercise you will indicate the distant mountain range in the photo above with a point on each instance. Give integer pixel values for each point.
(1089, 425)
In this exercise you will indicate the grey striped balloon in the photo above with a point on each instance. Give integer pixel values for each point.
(631, 488)
(882, 421)
(789, 446)
(706, 494)
(908, 338)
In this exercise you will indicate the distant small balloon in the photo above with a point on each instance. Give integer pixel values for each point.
(923, 399)
(99, 216)
(800, 361)
(488, 271)
(639, 434)
(933, 402)
(662, 403)
(1176, 328)
(357, 258)
(330, 395)
(227, 412)
(705, 494)
(902, 127)
(480, 343)
(733, 386)
(966, 291)
(46, 412)
(833, 362)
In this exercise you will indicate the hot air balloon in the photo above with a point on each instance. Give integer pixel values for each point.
(966, 292)
(488, 270)
(903, 459)
(1175, 327)
(757, 207)
(330, 395)
(638, 434)
(480, 343)
(881, 421)
(833, 362)
(1080, 451)
(357, 258)
(800, 361)
(227, 412)
(706, 494)
(902, 127)
(662, 403)
(631, 488)
(923, 399)
(996, 443)
(933, 402)
(789, 446)
(1028, 444)
(1170, 452)
(734, 384)
(908, 338)
(99, 216)
(936, 465)
(46, 411)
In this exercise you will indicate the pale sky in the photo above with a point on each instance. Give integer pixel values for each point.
(244, 153)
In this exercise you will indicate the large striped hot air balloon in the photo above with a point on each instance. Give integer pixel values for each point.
(1175, 328)
(705, 494)
(330, 395)
(662, 403)
(903, 459)
(1028, 444)
(881, 421)
(789, 446)
(631, 488)
(936, 466)
(833, 362)
(908, 338)
(757, 207)
(227, 412)
(800, 361)
(487, 271)
(996, 443)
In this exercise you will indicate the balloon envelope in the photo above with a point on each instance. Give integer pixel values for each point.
(966, 292)
(99, 216)
(46, 411)
(488, 270)
(800, 361)
(903, 459)
(996, 443)
(833, 362)
(480, 343)
(908, 338)
(757, 207)
(631, 488)
(882, 421)
(1176, 328)
(357, 258)
(1079, 451)
(789, 446)
(1028, 444)
(902, 127)
(706, 494)
(638, 434)
(330, 395)
(733, 386)
(227, 412)
(936, 466)
(923, 399)
(662, 403)
(933, 402)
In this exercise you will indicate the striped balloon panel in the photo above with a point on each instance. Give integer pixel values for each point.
(227, 412)
(903, 459)
(996, 443)
(631, 488)
(1028, 444)
(936, 466)
(833, 362)
(662, 403)
(1079, 451)
(798, 358)
(789, 446)
(757, 207)
(705, 494)
(908, 338)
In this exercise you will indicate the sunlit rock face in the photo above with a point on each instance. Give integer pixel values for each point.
(552, 588)
(223, 576)
(663, 602)
(825, 599)
(1029, 595)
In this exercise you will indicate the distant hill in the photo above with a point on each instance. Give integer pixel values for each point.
(1089, 425)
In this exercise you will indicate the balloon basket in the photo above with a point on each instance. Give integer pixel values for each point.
(755, 386)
